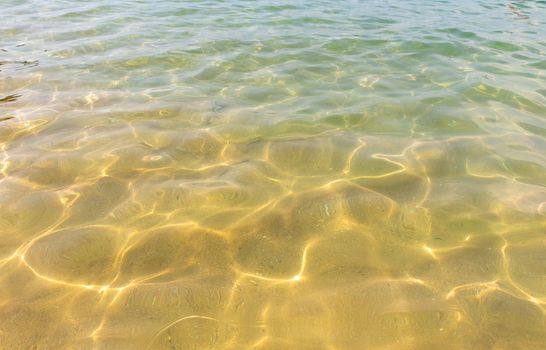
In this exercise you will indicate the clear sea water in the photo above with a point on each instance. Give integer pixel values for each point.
(273, 174)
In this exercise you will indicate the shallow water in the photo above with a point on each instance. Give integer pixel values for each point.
(273, 175)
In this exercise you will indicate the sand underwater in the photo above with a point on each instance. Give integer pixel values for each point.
(273, 174)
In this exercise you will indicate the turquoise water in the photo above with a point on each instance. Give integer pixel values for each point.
(273, 175)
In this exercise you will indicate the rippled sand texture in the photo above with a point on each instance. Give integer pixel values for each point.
(273, 175)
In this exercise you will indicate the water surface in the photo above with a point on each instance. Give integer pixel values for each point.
(273, 175)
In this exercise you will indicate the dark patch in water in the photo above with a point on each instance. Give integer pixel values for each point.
(217, 106)
(9, 98)
(517, 12)
(3, 119)
(24, 63)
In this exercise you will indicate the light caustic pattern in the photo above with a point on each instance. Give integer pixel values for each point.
(249, 175)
